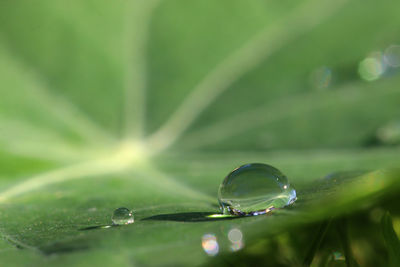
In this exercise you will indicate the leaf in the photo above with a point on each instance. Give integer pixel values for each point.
(316, 242)
(149, 104)
(391, 239)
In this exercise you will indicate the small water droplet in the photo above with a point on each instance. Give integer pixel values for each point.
(255, 189)
(122, 216)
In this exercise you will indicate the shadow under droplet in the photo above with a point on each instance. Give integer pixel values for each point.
(97, 227)
(189, 217)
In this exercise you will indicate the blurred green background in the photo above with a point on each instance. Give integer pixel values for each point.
(150, 104)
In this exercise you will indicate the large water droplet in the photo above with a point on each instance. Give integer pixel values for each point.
(122, 216)
(254, 189)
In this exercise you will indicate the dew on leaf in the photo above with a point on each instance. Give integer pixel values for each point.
(254, 189)
(122, 216)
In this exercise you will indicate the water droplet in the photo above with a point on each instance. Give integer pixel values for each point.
(122, 216)
(255, 189)
(210, 244)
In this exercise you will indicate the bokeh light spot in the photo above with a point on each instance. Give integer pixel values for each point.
(372, 67)
(321, 78)
(392, 56)
(210, 244)
(235, 236)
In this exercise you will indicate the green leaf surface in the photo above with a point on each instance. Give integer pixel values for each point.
(391, 239)
(150, 104)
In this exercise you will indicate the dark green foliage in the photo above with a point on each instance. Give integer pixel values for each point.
(391, 240)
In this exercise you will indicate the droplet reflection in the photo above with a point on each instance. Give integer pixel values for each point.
(235, 236)
(210, 244)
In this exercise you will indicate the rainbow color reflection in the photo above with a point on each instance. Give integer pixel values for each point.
(210, 244)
